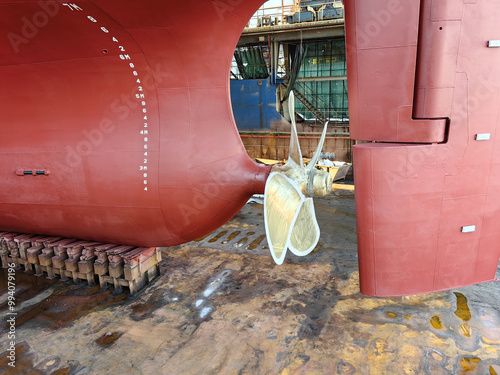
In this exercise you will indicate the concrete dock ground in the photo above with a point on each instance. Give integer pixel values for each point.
(221, 306)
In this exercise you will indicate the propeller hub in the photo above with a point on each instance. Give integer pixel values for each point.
(319, 183)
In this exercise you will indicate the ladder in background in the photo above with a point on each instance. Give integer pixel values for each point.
(300, 92)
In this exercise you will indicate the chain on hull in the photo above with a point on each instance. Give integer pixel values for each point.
(121, 266)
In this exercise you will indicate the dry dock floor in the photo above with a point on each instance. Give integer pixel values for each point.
(221, 306)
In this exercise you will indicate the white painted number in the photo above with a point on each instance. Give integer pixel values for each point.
(139, 96)
(72, 6)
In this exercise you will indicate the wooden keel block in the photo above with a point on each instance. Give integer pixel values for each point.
(101, 268)
(71, 265)
(118, 265)
(58, 262)
(60, 246)
(45, 259)
(32, 254)
(3, 259)
(50, 272)
(140, 261)
(115, 258)
(43, 240)
(101, 263)
(104, 281)
(116, 270)
(4, 253)
(86, 266)
(60, 254)
(24, 242)
(75, 249)
(89, 251)
(116, 254)
(14, 252)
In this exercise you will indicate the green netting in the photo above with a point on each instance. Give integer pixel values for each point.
(325, 59)
(251, 62)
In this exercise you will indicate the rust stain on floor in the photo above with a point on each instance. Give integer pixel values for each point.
(220, 308)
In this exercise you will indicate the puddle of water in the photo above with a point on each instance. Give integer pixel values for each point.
(142, 311)
(244, 240)
(62, 307)
(256, 243)
(63, 371)
(202, 238)
(27, 286)
(468, 364)
(241, 242)
(231, 237)
(108, 339)
(436, 322)
(24, 362)
(466, 330)
(218, 236)
(462, 311)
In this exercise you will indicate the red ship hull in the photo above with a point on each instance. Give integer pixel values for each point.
(123, 110)
(424, 85)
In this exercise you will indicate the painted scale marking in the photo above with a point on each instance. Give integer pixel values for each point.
(140, 94)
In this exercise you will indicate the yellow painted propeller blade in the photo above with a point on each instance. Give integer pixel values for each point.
(305, 232)
(289, 216)
(294, 154)
(282, 203)
(317, 153)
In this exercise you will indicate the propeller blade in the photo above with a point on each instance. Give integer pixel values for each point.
(294, 155)
(305, 232)
(289, 216)
(317, 153)
(282, 203)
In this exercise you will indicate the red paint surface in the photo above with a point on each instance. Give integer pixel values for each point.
(69, 105)
(413, 199)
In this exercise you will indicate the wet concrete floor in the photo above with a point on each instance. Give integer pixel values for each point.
(221, 306)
